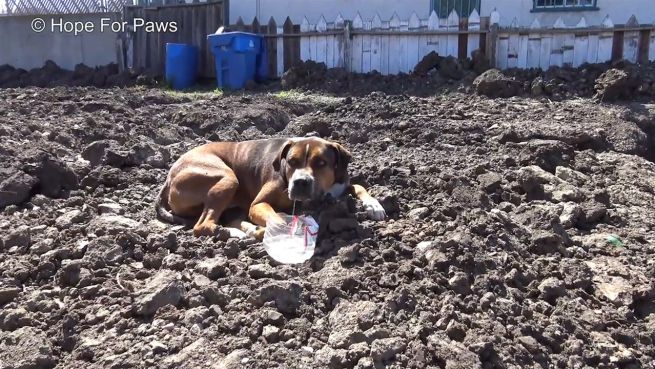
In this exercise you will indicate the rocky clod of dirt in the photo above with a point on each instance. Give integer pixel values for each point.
(26, 347)
(493, 83)
(162, 289)
(40, 171)
(429, 62)
(616, 84)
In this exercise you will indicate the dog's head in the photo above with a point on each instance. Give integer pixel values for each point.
(312, 166)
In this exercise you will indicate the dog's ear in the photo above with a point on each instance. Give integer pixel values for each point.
(341, 161)
(277, 164)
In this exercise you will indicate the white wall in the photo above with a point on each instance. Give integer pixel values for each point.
(23, 48)
(312, 9)
(618, 10)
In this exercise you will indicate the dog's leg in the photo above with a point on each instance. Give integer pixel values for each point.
(260, 214)
(373, 207)
(218, 199)
(261, 211)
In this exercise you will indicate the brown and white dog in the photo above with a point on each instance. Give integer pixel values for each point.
(262, 177)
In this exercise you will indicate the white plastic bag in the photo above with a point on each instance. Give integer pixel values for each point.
(292, 241)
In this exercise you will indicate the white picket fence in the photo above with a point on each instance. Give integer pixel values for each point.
(568, 45)
(395, 46)
(389, 47)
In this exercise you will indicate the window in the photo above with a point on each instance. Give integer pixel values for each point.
(462, 7)
(564, 5)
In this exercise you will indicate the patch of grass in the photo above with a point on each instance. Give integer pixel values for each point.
(301, 96)
(289, 95)
(193, 93)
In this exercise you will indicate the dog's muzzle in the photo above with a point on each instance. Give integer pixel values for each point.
(302, 187)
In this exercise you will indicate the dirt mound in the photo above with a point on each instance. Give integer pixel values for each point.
(435, 74)
(51, 75)
(520, 234)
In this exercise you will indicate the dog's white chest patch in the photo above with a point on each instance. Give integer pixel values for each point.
(337, 189)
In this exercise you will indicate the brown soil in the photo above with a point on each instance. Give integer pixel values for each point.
(495, 253)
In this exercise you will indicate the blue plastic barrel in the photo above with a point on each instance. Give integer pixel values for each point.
(237, 56)
(181, 65)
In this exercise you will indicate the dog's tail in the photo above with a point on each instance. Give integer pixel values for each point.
(161, 208)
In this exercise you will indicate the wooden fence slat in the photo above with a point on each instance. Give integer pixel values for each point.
(522, 58)
(357, 45)
(279, 50)
(581, 45)
(288, 44)
(394, 45)
(512, 50)
(240, 26)
(605, 41)
(340, 43)
(321, 41)
(592, 50)
(617, 45)
(329, 51)
(473, 42)
(513, 45)
(644, 43)
(366, 47)
(376, 54)
(534, 46)
(502, 51)
(403, 41)
(568, 47)
(271, 44)
(384, 50)
(452, 40)
(313, 48)
(321, 26)
(631, 41)
(305, 52)
(544, 56)
(413, 43)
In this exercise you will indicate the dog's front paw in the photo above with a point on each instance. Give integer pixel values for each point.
(374, 209)
(257, 233)
(237, 233)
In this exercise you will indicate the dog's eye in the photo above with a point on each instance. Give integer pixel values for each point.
(320, 163)
(293, 162)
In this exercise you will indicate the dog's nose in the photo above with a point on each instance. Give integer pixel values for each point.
(303, 184)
